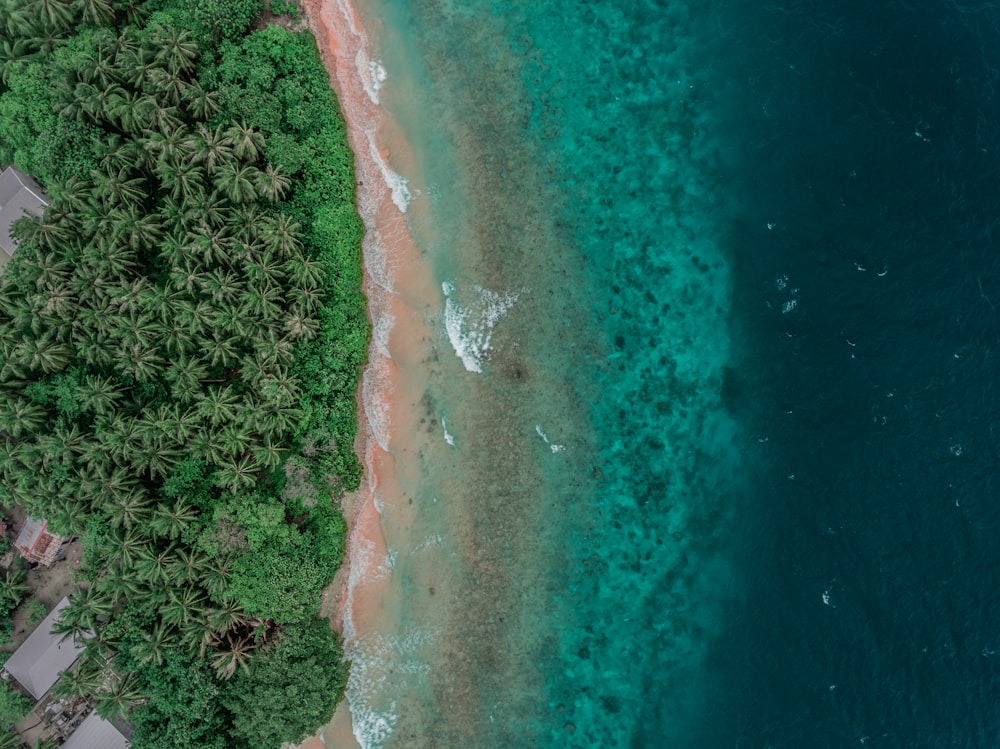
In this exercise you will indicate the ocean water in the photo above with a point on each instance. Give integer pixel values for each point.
(697, 442)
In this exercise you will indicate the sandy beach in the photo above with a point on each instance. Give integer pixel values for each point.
(361, 597)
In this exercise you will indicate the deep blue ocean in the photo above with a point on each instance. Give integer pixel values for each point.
(869, 138)
(735, 267)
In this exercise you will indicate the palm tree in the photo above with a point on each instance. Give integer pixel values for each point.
(12, 52)
(115, 481)
(55, 12)
(304, 272)
(177, 49)
(120, 187)
(218, 405)
(132, 109)
(19, 417)
(141, 360)
(91, 604)
(52, 269)
(168, 84)
(154, 644)
(186, 372)
(248, 143)
(97, 12)
(13, 588)
(222, 350)
(129, 510)
(236, 473)
(263, 301)
(154, 564)
(69, 516)
(235, 654)
(118, 587)
(215, 577)
(81, 681)
(123, 694)
(125, 548)
(236, 181)
(235, 439)
(138, 230)
(171, 521)
(98, 394)
(184, 179)
(283, 234)
(44, 353)
(274, 352)
(222, 286)
(301, 326)
(186, 566)
(165, 117)
(186, 606)
(272, 184)
(211, 147)
(10, 739)
(225, 617)
(201, 103)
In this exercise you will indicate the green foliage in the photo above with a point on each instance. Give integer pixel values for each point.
(184, 708)
(224, 19)
(329, 532)
(278, 583)
(32, 135)
(285, 151)
(36, 612)
(184, 321)
(188, 480)
(285, 7)
(281, 577)
(13, 705)
(290, 690)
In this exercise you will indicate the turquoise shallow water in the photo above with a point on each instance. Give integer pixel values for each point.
(573, 180)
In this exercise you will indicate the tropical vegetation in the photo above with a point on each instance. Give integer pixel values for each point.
(181, 335)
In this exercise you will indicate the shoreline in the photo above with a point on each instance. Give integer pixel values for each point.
(358, 598)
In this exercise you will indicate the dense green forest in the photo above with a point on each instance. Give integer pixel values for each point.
(181, 336)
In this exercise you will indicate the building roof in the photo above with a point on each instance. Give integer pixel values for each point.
(43, 656)
(36, 543)
(96, 733)
(19, 194)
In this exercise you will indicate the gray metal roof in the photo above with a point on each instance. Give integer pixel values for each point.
(19, 194)
(96, 733)
(42, 657)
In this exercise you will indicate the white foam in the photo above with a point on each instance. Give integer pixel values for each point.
(470, 325)
(373, 75)
(375, 392)
(379, 661)
(432, 541)
(381, 327)
(397, 184)
(448, 436)
(370, 660)
(789, 306)
(552, 446)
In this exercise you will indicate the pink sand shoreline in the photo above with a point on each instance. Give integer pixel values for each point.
(361, 595)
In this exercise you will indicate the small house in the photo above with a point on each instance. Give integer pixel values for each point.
(96, 733)
(36, 665)
(37, 544)
(19, 195)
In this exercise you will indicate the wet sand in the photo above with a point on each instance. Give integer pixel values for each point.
(364, 600)
(449, 554)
